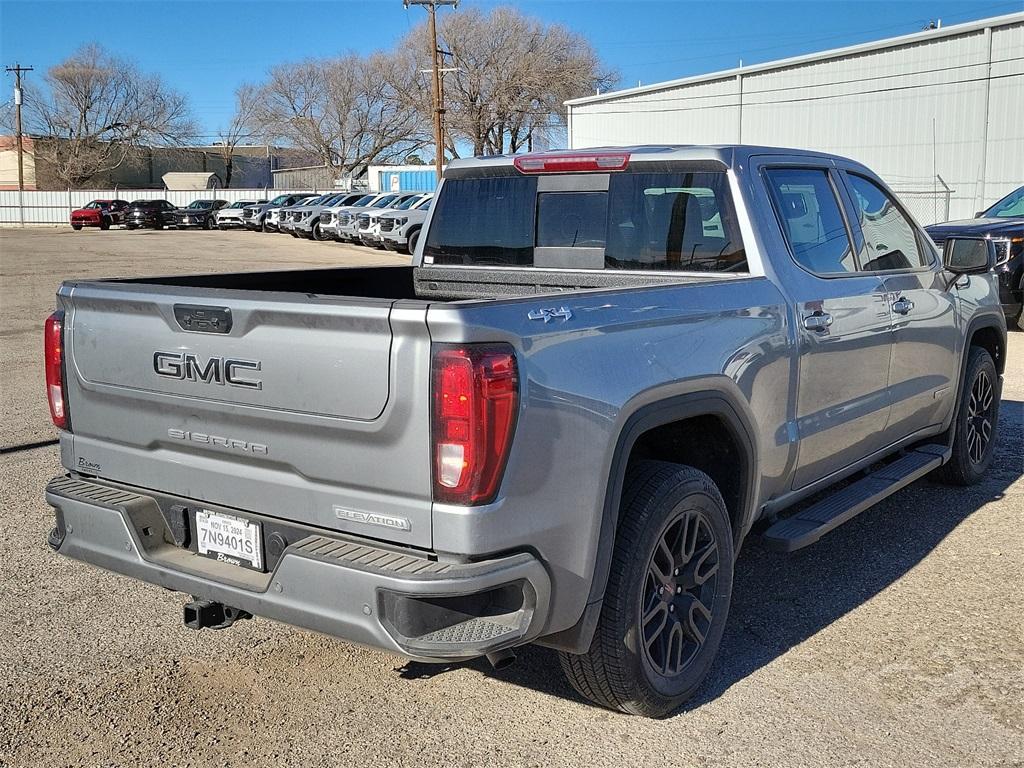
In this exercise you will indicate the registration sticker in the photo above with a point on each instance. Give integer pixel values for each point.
(229, 539)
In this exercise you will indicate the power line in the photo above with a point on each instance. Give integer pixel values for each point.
(787, 101)
(872, 78)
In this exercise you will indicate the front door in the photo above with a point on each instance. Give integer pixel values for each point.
(843, 326)
(924, 363)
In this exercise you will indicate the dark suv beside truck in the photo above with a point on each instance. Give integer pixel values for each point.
(1003, 224)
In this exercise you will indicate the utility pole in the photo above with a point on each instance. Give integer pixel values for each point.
(431, 6)
(17, 69)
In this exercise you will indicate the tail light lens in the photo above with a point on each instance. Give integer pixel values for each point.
(53, 349)
(573, 162)
(476, 399)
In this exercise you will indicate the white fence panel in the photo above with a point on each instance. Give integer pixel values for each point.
(40, 207)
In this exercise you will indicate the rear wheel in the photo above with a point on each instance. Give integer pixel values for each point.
(104, 223)
(210, 223)
(667, 597)
(975, 422)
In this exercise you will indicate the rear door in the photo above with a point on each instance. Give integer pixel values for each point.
(924, 362)
(843, 323)
(305, 407)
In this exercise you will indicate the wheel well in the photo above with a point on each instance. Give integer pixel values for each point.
(991, 340)
(709, 444)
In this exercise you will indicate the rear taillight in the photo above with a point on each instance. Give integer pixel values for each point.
(53, 349)
(476, 399)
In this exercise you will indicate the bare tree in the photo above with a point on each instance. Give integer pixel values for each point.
(513, 74)
(241, 127)
(97, 109)
(349, 111)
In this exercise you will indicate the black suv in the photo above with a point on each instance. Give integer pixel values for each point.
(1004, 224)
(198, 213)
(149, 213)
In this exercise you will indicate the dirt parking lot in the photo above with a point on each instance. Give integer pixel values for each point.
(896, 641)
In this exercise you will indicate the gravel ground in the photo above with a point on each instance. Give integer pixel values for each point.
(897, 640)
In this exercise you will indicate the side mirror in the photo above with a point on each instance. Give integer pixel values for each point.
(968, 255)
(979, 214)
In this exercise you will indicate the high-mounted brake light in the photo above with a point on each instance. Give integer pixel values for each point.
(586, 162)
(476, 399)
(53, 351)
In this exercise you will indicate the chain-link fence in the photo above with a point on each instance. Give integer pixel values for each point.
(928, 206)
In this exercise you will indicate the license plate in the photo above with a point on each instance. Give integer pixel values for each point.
(229, 539)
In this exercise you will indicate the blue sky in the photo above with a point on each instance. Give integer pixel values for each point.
(206, 48)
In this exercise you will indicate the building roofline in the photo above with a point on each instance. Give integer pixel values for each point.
(1005, 20)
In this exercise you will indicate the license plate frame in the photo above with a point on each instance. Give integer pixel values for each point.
(224, 537)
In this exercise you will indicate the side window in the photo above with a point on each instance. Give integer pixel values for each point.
(812, 222)
(890, 240)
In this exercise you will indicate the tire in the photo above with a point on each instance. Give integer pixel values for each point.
(210, 223)
(76, 227)
(975, 423)
(104, 223)
(667, 509)
(316, 233)
(414, 237)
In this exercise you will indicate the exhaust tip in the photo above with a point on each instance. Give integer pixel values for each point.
(502, 659)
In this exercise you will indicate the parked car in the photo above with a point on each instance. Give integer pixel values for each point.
(156, 214)
(368, 222)
(347, 226)
(277, 217)
(255, 216)
(99, 213)
(1003, 223)
(230, 216)
(198, 214)
(330, 217)
(308, 225)
(557, 426)
(400, 229)
(292, 215)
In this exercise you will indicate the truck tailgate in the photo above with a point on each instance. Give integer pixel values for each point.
(305, 407)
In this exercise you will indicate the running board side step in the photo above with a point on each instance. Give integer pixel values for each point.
(809, 525)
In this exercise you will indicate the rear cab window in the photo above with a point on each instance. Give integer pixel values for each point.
(679, 217)
(808, 208)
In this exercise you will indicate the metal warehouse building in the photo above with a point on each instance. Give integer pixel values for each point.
(938, 114)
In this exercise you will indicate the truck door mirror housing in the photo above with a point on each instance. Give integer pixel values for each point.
(969, 255)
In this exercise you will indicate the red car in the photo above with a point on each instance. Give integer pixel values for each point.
(99, 213)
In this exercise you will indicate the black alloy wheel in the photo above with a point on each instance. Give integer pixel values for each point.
(679, 592)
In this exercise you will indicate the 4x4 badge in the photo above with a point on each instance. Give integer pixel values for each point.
(547, 314)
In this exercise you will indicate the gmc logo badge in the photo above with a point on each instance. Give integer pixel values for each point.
(186, 366)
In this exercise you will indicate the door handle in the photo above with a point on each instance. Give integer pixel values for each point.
(819, 321)
(902, 305)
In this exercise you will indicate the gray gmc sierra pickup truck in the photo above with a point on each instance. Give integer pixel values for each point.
(557, 426)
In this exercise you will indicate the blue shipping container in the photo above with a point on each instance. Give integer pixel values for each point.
(407, 181)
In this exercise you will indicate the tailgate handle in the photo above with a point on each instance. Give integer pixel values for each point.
(195, 318)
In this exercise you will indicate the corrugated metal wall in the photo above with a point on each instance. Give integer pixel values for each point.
(56, 207)
(910, 112)
(411, 177)
(407, 181)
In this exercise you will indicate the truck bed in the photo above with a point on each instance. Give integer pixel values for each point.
(407, 282)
